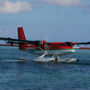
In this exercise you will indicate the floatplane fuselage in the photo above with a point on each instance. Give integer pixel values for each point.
(52, 48)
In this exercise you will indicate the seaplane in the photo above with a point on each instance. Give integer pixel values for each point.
(42, 48)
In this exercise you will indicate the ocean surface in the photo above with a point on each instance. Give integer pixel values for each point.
(30, 75)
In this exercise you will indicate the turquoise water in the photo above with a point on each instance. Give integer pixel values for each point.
(31, 75)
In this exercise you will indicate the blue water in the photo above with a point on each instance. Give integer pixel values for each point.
(31, 75)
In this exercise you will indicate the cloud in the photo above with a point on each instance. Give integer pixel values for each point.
(63, 2)
(7, 6)
(66, 3)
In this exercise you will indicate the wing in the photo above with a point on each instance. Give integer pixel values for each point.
(18, 41)
(82, 43)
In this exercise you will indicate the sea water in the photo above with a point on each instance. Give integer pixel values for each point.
(30, 75)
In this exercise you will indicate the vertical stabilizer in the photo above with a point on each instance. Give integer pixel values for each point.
(21, 36)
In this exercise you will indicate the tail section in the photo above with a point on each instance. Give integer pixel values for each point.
(21, 36)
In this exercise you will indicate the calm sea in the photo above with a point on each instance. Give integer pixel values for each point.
(31, 75)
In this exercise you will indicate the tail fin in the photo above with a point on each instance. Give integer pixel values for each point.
(21, 36)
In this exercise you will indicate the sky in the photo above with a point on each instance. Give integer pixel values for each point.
(54, 20)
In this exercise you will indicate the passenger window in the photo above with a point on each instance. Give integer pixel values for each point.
(62, 44)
